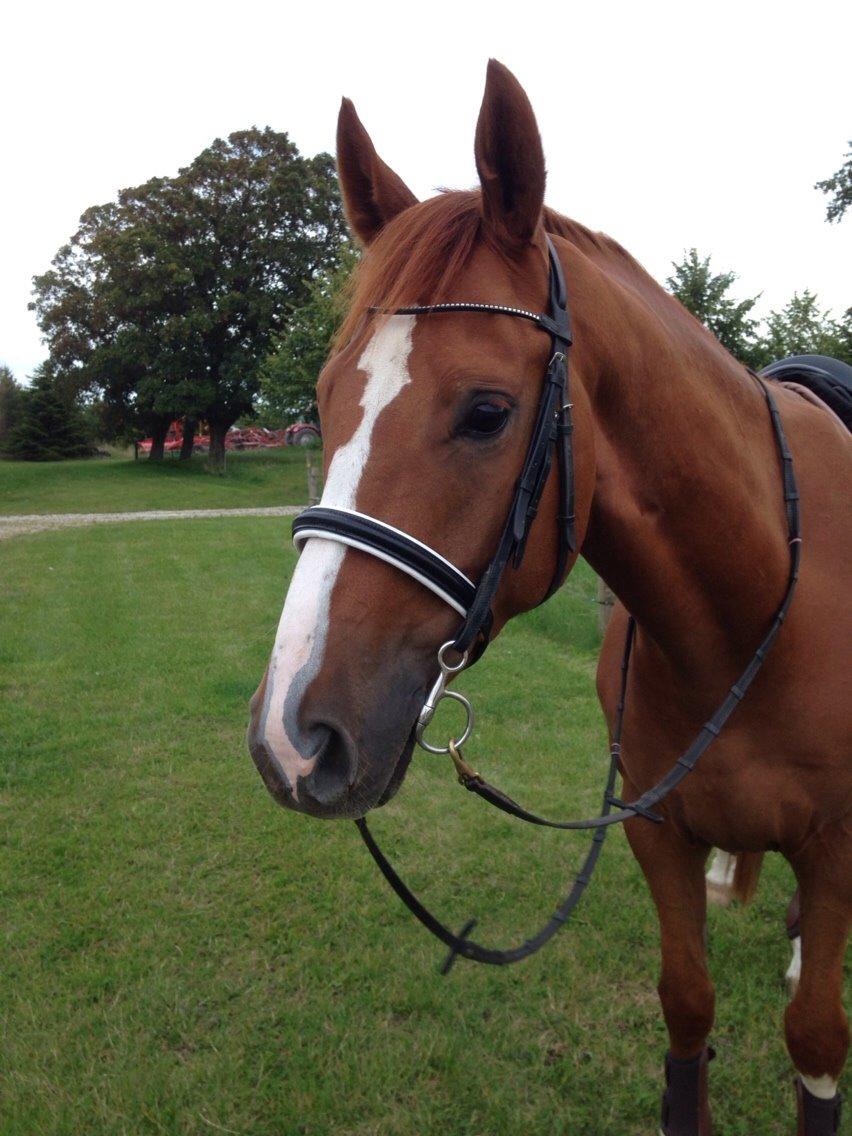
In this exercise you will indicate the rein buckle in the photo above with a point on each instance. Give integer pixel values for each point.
(466, 772)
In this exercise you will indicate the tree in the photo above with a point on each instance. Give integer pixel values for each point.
(168, 299)
(705, 294)
(50, 426)
(187, 442)
(10, 403)
(845, 330)
(802, 328)
(288, 377)
(839, 185)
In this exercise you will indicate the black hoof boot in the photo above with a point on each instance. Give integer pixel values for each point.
(686, 1101)
(817, 1117)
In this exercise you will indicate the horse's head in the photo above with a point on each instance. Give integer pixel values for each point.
(426, 421)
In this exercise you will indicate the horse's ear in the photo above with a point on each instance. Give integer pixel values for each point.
(372, 193)
(509, 158)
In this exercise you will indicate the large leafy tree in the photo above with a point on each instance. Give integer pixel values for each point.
(707, 295)
(288, 376)
(839, 189)
(169, 298)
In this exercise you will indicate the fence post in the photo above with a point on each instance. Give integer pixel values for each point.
(606, 599)
(313, 479)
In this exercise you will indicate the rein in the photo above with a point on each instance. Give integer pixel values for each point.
(552, 430)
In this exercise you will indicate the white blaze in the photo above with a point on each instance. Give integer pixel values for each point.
(303, 628)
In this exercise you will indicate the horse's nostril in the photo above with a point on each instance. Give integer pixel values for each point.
(334, 770)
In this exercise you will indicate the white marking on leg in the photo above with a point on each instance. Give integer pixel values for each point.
(823, 1087)
(794, 970)
(300, 641)
(722, 869)
(720, 878)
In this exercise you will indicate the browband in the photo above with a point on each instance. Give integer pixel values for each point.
(395, 547)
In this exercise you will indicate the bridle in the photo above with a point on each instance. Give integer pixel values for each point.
(552, 431)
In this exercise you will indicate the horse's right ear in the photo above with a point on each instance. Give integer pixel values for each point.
(372, 193)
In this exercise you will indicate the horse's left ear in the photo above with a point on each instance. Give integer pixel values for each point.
(509, 158)
(372, 193)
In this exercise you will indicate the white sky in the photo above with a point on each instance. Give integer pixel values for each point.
(666, 125)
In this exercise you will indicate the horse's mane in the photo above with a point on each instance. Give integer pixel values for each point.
(419, 256)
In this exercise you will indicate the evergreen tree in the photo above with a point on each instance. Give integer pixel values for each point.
(705, 294)
(10, 403)
(803, 328)
(839, 185)
(845, 332)
(50, 426)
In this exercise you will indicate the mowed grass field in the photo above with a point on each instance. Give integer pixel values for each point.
(120, 484)
(180, 955)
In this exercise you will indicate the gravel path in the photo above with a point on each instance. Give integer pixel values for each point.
(39, 522)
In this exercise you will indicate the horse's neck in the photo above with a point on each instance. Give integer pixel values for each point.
(687, 522)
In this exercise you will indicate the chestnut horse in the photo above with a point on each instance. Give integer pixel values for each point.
(679, 508)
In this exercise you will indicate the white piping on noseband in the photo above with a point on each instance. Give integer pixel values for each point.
(352, 542)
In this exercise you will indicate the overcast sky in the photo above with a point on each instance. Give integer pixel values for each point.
(666, 125)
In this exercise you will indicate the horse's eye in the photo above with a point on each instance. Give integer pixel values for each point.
(485, 419)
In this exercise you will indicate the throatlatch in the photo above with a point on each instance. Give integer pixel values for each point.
(553, 430)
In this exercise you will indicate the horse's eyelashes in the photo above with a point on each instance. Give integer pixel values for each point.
(485, 419)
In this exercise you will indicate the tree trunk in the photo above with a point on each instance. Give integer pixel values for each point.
(216, 457)
(189, 427)
(158, 441)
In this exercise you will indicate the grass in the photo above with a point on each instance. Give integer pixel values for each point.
(118, 484)
(182, 956)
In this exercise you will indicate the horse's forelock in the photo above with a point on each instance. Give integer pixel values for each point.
(420, 255)
(417, 258)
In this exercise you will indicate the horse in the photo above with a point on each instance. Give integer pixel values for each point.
(678, 507)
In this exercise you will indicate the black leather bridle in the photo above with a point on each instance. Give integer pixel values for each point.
(552, 430)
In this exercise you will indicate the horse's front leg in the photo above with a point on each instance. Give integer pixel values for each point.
(674, 869)
(816, 1025)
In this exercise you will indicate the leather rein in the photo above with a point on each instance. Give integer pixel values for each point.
(552, 432)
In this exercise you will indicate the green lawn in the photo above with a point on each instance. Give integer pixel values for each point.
(117, 484)
(179, 955)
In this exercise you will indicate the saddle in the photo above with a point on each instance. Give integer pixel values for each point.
(830, 380)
